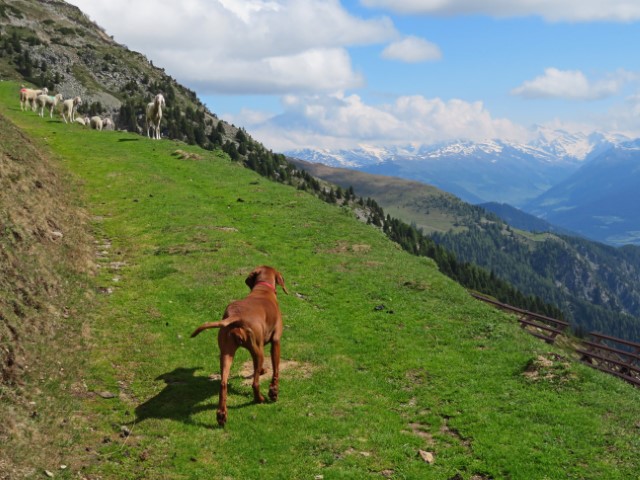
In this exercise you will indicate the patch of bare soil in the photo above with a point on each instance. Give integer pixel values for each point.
(551, 368)
(287, 367)
(446, 429)
(422, 431)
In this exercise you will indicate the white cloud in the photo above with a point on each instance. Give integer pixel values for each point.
(623, 117)
(244, 46)
(412, 50)
(308, 71)
(572, 84)
(551, 10)
(339, 121)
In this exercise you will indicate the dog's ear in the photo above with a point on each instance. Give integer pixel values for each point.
(280, 281)
(251, 279)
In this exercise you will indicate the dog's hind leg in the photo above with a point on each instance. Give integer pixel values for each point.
(275, 365)
(257, 354)
(226, 359)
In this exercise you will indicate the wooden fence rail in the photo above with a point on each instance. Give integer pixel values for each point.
(612, 355)
(546, 328)
(609, 354)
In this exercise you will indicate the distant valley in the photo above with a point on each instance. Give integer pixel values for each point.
(600, 200)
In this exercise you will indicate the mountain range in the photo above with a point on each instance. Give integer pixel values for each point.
(582, 183)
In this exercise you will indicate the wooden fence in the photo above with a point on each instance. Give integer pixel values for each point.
(612, 355)
(546, 328)
(609, 354)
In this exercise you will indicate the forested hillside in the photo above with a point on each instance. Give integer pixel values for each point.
(594, 284)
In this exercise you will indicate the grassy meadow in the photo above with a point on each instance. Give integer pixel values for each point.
(382, 356)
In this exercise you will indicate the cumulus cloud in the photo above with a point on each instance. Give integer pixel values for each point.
(345, 121)
(245, 46)
(412, 50)
(311, 70)
(572, 84)
(551, 10)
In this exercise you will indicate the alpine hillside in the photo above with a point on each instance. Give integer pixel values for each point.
(114, 247)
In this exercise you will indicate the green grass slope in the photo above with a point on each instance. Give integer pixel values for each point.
(363, 390)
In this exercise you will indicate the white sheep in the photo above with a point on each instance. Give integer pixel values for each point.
(45, 100)
(81, 121)
(154, 116)
(29, 95)
(96, 123)
(69, 107)
(107, 124)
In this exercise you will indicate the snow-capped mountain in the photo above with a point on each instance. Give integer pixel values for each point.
(492, 170)
(578, 146)
(489, 149)
(356, 158)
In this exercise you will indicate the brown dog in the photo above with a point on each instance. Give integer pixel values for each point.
(250, 323)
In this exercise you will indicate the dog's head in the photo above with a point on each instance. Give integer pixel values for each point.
(266, 274)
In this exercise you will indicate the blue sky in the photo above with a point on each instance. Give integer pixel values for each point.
(337, 74)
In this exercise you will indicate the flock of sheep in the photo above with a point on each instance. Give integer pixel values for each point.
(40, 99)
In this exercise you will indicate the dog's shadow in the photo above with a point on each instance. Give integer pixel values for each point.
(183, 396)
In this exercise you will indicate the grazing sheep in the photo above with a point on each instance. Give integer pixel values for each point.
(29, 95)
(48, 101)
(154, 116)
(81, 121)
(96, 123)
(69, 106)
(107, 124)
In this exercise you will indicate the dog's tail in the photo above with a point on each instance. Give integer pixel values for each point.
(219, 324)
